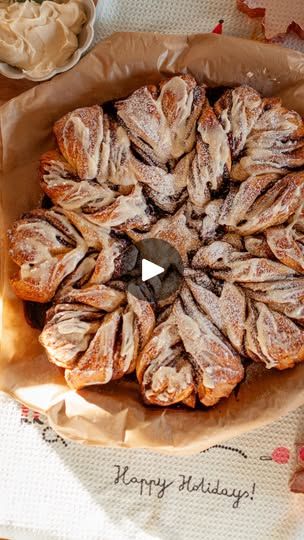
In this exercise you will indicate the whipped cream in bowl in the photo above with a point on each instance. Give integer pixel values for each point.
(37, 41)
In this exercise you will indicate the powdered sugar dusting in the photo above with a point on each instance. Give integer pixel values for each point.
(223, 184)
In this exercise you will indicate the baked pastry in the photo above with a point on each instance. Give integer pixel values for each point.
(225, 306)
(211, 160)
(60, 183)
(161, 121)
(167, 189)
(174, 230)
(217, 366)
(47, 248)
(275, 143)
(225, 262)
(188, 355)
(264, 343)
(96, 347)
(285, 296)
(238, 111)
(164, 372)
(95, 146)
(79, 135)
(223, 184)
(261, 202)
(93, 200)
(287, 245)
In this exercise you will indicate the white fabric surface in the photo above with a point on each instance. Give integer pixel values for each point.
(52, 489)
(179, 17)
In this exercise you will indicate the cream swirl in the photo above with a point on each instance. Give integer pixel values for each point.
(39, 38)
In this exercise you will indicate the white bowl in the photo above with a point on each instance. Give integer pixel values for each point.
(85, 39)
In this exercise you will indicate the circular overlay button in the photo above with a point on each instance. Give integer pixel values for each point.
(158, 272)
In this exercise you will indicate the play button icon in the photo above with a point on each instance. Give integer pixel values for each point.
(149, 269)
(158, 271)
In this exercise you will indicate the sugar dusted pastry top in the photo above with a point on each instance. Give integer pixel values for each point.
(224, 185)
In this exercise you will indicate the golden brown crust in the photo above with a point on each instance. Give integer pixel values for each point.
(96, 347)
(217, 366)
(125, 213)
(161, 122)
(258, 247)
(68, 331)
(211, 159)
(215, 182)
(174, 230)
(163, 370)
(262, 202)
(47, 248)
(274, 145)
(273, 338)
(238, 111)
(167, 189)
(285, 296)
(79, 135)
(63, 186)
(287, 246)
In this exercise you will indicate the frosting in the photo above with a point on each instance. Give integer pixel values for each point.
(39, 38)
(238, 111)
(243, 253)
(163, 127)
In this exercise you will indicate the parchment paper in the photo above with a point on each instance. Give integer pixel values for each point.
(115, 415)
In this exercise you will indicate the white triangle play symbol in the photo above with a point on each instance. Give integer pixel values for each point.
(150, 270)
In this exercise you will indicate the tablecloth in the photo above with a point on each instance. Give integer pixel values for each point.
(181, 17)
(55, 489)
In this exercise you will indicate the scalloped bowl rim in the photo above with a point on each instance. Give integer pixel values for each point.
(15, 73)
